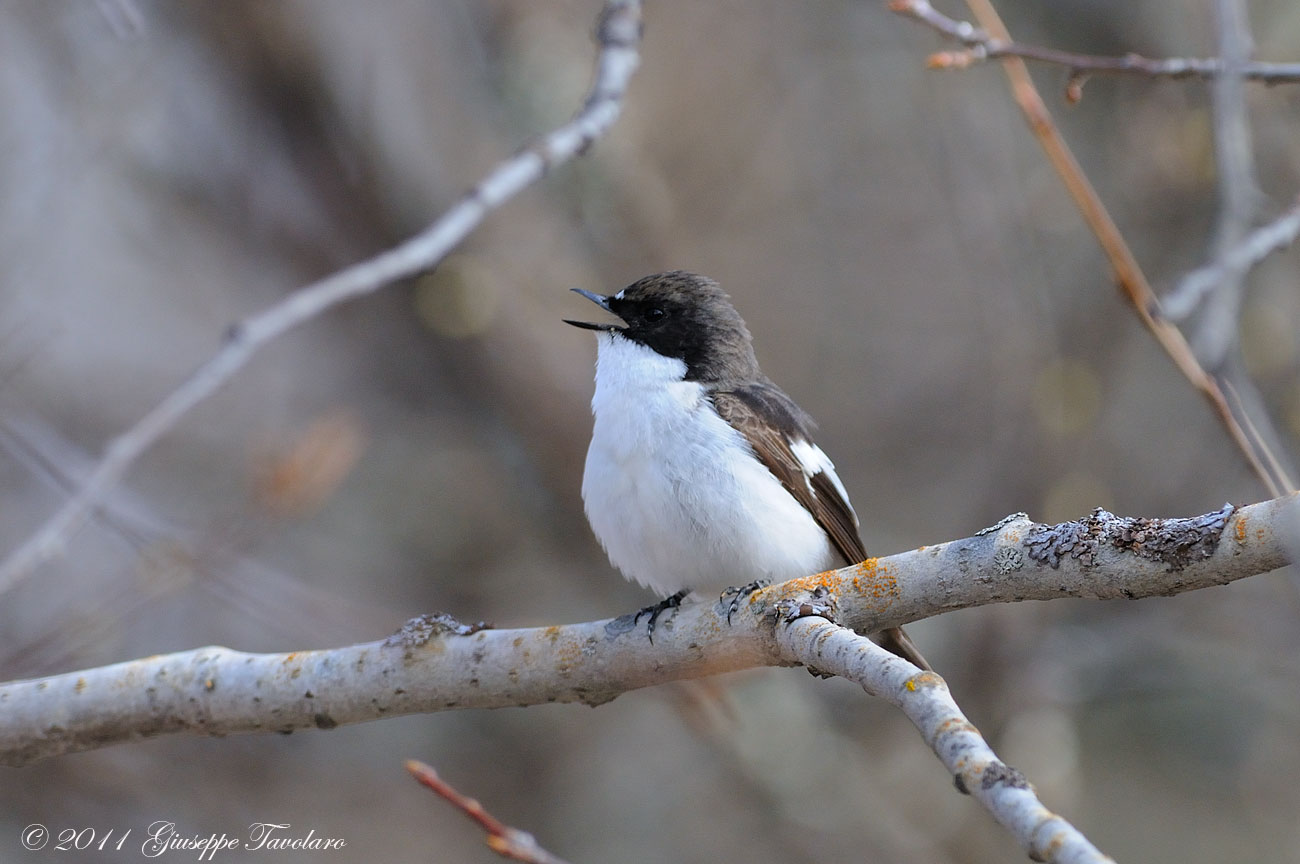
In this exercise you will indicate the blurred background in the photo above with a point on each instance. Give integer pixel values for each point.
(913, 274)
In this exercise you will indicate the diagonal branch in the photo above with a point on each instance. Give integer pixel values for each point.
(619, 37)
(436, 664)
(1128, 273)
(927, 702)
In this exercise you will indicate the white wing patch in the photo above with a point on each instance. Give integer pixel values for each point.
(814, 461)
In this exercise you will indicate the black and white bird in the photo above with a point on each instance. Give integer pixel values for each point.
(702, 474)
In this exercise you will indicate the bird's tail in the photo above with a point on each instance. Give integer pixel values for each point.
(898, 642)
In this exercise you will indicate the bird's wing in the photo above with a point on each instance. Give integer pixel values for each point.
(779, 433)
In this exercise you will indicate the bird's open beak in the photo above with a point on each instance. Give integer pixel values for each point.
(603, 303)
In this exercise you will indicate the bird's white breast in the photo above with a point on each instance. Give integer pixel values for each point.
(676, 495)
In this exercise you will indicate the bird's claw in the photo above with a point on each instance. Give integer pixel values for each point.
(654, 610)
(732, 598)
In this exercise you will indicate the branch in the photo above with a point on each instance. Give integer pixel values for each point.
(1234, 262)
(927, 702)
(981, 46)
(1128, 273)
(501, 838)
(619, 36)
(434, 664)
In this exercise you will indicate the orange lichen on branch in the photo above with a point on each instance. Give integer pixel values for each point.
(954, 724)
(828, 579)
(925, 679)
(568, 653)
(1240, 530)
(875, 580)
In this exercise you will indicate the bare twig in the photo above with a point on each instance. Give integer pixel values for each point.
(619, 36)
(1238, 193)
(1238, 190)
(501, 838)
(1248, 252)
(1132, 281)
(925, 699)
(1282, 472)
(981, 45)
(1215, 340)
(1233, 140)
(434, 664)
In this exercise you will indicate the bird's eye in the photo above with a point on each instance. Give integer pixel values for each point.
(654, 313)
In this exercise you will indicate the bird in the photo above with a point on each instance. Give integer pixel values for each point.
(701, 473)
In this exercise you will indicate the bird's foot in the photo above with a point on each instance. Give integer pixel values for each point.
(733, 597)
(654, 610)
(820, 603)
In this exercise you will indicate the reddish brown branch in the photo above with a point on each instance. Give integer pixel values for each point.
(501, 838)
(1131, 280)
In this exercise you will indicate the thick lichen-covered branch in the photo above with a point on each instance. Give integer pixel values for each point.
(436, 664)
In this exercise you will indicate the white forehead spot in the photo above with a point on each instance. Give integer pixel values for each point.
(619, 295)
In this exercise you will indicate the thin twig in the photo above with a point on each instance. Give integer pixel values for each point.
(1132, 281)
(1252, 249)
(1282, 472)
(1215, 340)
(982, 45)
(1239, 195)
(501, 838)
(925, 699)
(619, 37)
